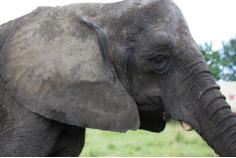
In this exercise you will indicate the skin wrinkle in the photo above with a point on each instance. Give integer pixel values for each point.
(18, 127)
(203, 72)
(202, 93)
(224, 131)
(215, 99)
(188, 76)
(13, 127)
(192, 76)
(198, 83)
(228, 117)
(195, 84)
(195, 64)
(219, 109)
(232, 141)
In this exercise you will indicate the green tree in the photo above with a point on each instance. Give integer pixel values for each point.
(229, 59)
(213, 60)
(222, 63)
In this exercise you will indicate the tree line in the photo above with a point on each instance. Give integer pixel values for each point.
(222, 62)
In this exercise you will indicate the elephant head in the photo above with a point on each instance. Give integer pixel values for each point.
(116, 67)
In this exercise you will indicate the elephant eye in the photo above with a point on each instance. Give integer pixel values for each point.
(159, 63)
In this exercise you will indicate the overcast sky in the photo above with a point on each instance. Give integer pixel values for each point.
(209, 20)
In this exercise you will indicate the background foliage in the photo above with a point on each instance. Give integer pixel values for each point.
(222, 63)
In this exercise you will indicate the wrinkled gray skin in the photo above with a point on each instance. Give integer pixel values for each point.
(113, 67)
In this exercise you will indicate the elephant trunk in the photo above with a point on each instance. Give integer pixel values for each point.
(217, 123)
(202, 105)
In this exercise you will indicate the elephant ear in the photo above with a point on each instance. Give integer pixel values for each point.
(57, 65)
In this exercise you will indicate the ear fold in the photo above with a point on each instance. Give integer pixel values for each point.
(65, 74)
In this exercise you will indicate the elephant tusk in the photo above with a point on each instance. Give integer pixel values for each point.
(186, 126)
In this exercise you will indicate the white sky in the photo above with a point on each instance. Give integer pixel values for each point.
(209, 20)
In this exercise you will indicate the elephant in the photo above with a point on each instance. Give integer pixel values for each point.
(111, 66)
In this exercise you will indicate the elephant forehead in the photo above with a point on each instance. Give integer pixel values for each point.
(49, 49)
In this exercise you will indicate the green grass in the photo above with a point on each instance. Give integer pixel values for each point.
(173, 141)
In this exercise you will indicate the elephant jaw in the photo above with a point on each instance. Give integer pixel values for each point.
(186, 126)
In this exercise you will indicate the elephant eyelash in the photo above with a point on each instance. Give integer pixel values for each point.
(153, 55)
(165, 48)
(130, 63)
(158, 63)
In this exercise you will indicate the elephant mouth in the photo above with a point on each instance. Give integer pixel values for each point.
(152, 103)
(152, 108)
(151, 112)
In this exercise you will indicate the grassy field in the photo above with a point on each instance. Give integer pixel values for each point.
(173, 141)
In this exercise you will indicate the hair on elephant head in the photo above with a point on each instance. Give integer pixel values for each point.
(120, 66)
